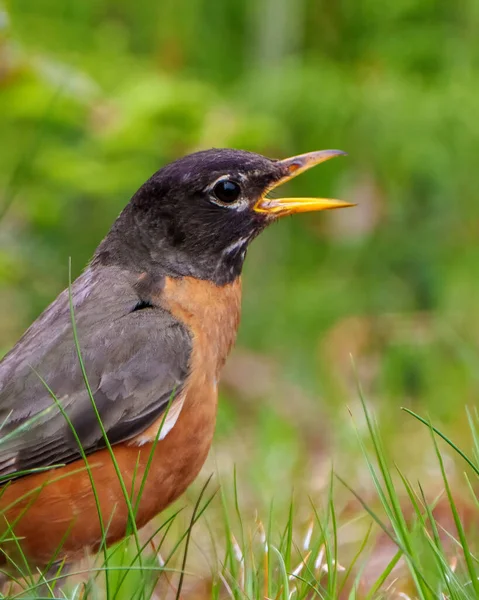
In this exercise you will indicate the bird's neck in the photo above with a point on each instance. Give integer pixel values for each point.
(151, 247)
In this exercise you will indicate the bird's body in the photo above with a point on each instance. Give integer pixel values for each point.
(156, 313)
(60, 500)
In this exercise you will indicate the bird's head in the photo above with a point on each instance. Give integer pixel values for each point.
(197, 215)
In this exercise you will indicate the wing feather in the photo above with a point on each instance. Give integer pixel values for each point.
(136, 362)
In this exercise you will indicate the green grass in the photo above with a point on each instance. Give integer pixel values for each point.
(279, 555)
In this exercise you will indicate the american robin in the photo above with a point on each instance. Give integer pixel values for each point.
(148, 325)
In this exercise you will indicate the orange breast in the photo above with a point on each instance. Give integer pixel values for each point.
(57, 508)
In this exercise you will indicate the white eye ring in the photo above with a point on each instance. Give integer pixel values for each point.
(227, 191)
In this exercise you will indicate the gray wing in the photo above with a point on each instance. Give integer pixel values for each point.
(136, 361)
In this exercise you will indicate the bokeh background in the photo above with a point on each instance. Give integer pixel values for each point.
(96, 95)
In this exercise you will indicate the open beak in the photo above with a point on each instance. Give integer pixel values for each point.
(292, 167)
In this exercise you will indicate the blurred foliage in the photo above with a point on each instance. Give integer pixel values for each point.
(96, 95)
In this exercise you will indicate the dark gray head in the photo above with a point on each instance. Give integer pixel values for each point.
(197, 215)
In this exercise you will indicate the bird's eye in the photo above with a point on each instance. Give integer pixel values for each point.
(227, 191)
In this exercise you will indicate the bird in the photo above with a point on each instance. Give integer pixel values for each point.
(108, 401)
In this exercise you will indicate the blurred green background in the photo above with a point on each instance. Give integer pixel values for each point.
(98, 94)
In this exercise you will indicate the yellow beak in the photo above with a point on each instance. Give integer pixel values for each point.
(293, 167)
